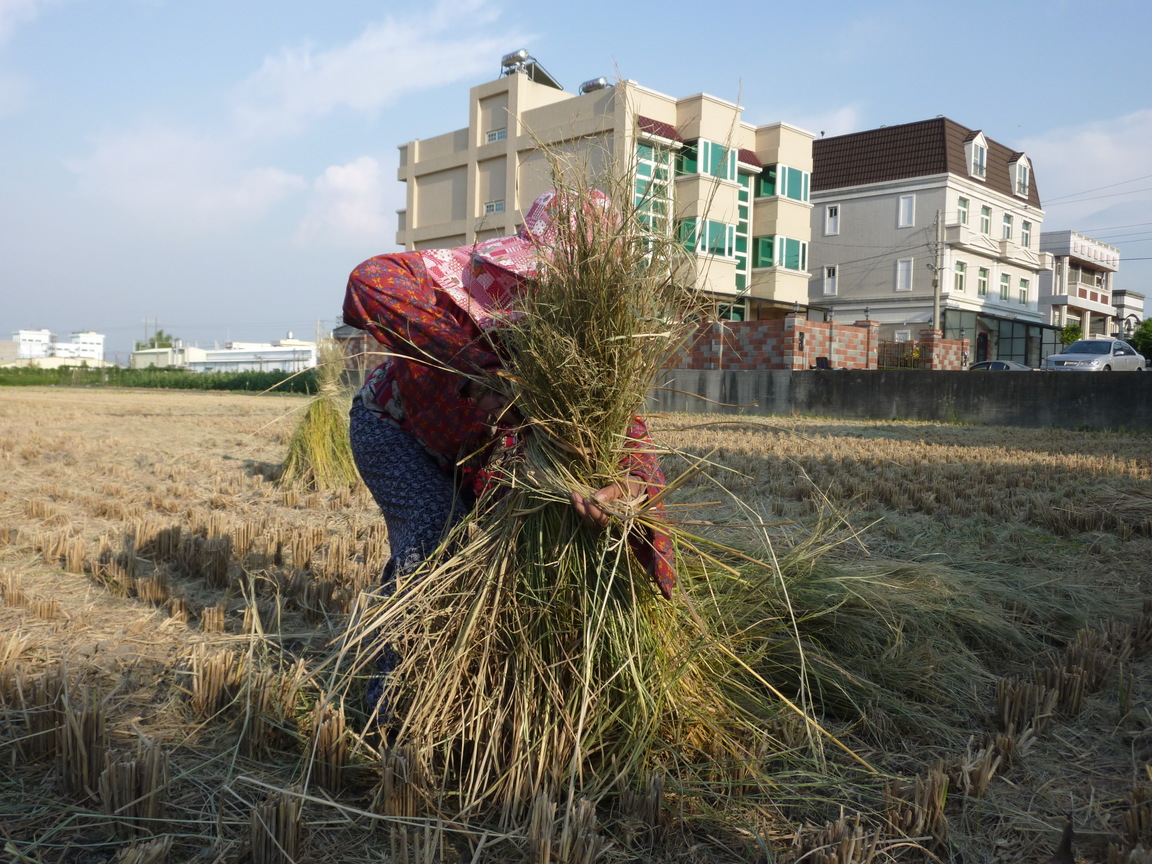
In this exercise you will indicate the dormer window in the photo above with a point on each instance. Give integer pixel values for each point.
(976, 152)
(1021, 172)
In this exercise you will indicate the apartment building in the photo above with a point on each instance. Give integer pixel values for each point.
(737, 194)
(931, 225)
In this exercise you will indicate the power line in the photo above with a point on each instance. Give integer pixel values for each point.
(1059, 203)
(1098, 189)
(1119, 227)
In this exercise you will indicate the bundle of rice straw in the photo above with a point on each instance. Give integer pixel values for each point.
(536, 656)
(319, 456)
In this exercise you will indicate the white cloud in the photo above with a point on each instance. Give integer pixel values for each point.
(389, 59)
(1084, 170)
(172, 178)
(349, 207)
(15, 12)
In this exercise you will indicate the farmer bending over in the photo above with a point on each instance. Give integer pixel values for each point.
(423, 424)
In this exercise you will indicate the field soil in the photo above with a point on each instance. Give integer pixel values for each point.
(143, 543)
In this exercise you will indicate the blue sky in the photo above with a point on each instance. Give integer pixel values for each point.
(219, 167)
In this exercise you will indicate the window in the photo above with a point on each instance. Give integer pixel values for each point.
(766, 182)
(979, 160)
(686, 229)
(764, 252)
(829, 280)
(780, 251)
(717, 160)
(737, 311)
(717, 238)
(791, 254)
(1021, 171)
(982, 281)
(497, 135)
(686, 161)
(1005, 287)
(783, 181)
(962, 210)
(1022, 297)
(985, 220)
(1007, 226)
(961, 271)
(904, 274)
(902, 335)
(491, 207)
(653, 191)
(976, 152)
(1025, 234)
(832, 219)
(707, 157)
(906, 211)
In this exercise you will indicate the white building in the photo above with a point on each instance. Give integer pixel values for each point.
(1079, 289)
(177, 355)
(34, 344)
(931, 225)
(284, 355)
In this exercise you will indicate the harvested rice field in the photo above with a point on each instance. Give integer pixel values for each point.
(961, 648)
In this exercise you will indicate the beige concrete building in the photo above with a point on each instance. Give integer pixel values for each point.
(737, 195)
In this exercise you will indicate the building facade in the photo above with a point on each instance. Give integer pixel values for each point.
(931, 226)
(737, 195)
(36, 344)
(1079, 289)
(285, 355)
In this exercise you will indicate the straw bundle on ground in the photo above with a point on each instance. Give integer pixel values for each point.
(319, 455)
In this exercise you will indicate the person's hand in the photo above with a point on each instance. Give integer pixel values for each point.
(629, 489)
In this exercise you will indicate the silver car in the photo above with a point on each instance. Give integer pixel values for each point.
(1096, 355)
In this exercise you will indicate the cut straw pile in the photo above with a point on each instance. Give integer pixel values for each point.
(319, 455)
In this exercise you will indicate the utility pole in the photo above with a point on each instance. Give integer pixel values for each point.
(937, 266)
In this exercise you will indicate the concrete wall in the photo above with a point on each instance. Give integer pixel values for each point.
(1070, 400)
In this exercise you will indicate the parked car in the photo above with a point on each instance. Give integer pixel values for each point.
(1096, 355)
(999, 366)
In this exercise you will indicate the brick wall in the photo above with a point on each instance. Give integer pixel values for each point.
(789, 343)
(941, 353)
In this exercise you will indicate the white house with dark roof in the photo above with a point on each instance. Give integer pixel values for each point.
(931, 225)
